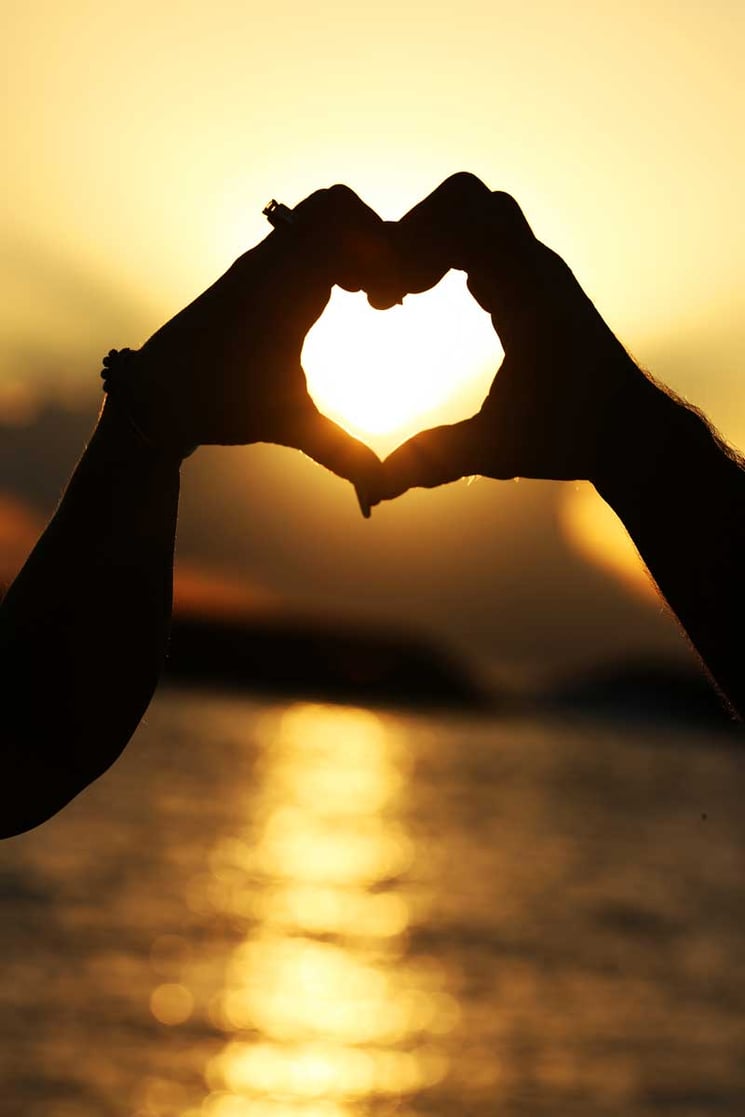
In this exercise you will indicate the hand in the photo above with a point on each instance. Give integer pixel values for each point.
(227, 368)
(565, 383)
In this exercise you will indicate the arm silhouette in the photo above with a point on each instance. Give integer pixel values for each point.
(569, 403)
(84, 627)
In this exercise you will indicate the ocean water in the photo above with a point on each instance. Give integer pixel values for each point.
(275, 909)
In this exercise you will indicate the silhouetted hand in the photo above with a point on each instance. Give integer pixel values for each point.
(565, 381)
(227, 368)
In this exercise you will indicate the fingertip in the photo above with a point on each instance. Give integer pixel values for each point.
(363, 501)
(353, 240)
(431, 458)
(384, 300)
(464, 186)
(333, 447)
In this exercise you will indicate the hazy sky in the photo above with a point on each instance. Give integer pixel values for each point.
(141, 141)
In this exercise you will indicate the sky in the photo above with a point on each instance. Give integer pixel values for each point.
(140, 143)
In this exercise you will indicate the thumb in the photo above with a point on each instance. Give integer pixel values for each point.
(433, 457)
(330, 445)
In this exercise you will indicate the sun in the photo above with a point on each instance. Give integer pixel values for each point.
(383, 375)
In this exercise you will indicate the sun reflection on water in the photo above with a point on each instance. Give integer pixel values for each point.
(321, 1007)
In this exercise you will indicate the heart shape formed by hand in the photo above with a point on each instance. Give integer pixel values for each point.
(258, 314)
(353, 249)
(547, 411)
(385, 376)
(566, 388)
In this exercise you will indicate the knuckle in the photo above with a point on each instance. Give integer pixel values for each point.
(466, 194)
(348, 216)
(314, 199)
(341, 198)
(505, 201)
(509, 213)
(465, 185)
(464, 203)
(339, 191)
(334, 203)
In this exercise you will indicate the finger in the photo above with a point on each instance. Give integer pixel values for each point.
(433, 457)
(433, 237)
(516, 280)
(338, 234)
(331, 446)
(462, 224)
(333, 238)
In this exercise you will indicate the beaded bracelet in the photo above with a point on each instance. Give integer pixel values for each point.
(117, 364)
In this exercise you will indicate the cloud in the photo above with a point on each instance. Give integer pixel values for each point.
(203, 590)
(38, 455)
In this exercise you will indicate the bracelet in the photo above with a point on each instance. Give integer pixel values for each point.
(117, 364)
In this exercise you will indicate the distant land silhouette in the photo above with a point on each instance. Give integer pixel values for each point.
(311, 656)
(550, 607)
(318, 657)
(646, 690)
(349, 661)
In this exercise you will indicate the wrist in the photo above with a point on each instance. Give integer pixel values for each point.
(121, 489)
(118, 440)
(650, 439)
(126, 383)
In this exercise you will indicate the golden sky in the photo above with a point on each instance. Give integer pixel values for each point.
(141, 140)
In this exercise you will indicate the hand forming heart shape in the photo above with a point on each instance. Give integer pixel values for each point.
(566, 389)
(561, 393)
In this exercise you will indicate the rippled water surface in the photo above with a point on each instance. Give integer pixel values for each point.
(289, 910)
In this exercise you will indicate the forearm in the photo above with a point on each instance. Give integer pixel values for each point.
(681, 495)
(84, 627)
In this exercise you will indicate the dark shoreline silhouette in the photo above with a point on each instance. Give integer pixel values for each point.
(336, 660)
(646, 690)
(321, 658)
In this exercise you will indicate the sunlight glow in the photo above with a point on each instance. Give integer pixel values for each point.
(383, 375)
(314, 1026)
(592, 528)
(171, 1003)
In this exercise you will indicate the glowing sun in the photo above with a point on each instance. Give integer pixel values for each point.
(383, 375)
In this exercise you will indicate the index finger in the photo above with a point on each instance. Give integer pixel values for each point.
(338, 235)
(461, 224)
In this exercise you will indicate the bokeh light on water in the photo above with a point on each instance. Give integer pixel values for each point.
(273, 910)
(319, 1000)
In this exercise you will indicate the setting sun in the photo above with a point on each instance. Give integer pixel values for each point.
(383, 375)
